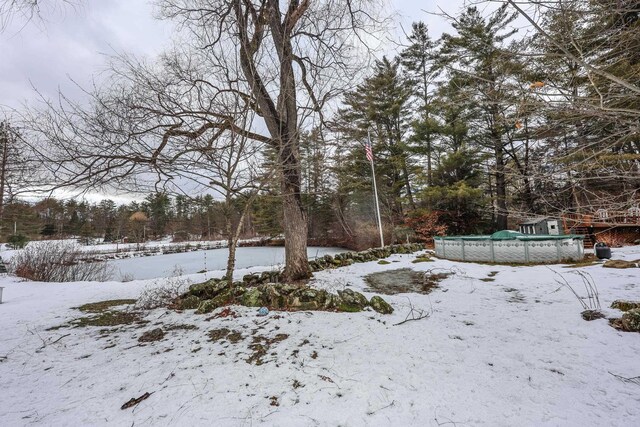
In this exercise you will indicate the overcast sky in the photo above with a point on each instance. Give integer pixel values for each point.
(73, 43)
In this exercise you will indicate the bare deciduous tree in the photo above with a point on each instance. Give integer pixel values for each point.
(17, 167)
(279, 63)
(26, 10)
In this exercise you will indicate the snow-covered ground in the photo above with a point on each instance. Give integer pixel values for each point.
(513, 351)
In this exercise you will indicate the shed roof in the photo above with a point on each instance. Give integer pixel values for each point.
(534, 221)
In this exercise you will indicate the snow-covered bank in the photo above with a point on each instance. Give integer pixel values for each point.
(512, 351)
(130, 250)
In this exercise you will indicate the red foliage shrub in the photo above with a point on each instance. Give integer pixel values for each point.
(426, 224)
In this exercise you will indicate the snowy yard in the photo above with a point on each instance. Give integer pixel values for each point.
(508, 351)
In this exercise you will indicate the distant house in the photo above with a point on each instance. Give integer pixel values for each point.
(614, 227)
(544, 225)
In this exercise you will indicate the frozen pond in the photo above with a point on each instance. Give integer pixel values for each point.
(215, 259)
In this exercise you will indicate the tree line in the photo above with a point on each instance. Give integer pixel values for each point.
(157, 216)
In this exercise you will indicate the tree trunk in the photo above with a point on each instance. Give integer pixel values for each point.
(529, 198)
(491, 195)
(501, 190)
(281, 119)
(405, 171)
(4, 143)
(429, 168)
(295, 220)
(232, 240)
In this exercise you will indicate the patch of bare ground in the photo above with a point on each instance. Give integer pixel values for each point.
(260, 347)
(227, 334)
(405, 280)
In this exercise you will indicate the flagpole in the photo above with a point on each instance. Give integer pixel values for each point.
(375, 193)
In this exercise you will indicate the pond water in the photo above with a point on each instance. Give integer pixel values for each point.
(216, 259)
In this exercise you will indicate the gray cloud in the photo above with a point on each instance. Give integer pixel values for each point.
(73, 44)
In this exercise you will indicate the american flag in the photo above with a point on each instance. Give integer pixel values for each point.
(368, 150)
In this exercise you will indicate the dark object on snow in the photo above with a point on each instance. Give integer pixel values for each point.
(630, 321)
(620, 263)
(590, 315)
(3, 268)
(625, 305)
(152, 335)
(133, 402)
(602, 250)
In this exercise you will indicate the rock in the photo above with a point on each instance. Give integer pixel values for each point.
(589, 315)
(209, 289)
(383, 262)
(252, 298)
(270, 277)
(190, 302)
(314, 266)
(631, 320)
(332, 302)
(308, 299)
(624, 305)
(352, 301)
(618, 263)
(273, 296)
(251, 279)
(152, 335)
(209, 305)
(380, 305)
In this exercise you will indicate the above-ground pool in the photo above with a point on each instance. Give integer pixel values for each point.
(511, 247)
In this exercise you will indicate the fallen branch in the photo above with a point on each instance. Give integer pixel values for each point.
(414, 314)
(134, 401)
(632, 380)
(45, 344)
(393, 402)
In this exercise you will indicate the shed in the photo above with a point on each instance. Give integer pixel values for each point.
(543, 225)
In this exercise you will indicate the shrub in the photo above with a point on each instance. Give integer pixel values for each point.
(17, 241)
(366, 235)
(180, 236)
(163, 291)
(426, 224)
(57, 262)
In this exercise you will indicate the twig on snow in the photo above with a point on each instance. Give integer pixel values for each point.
(632, 380)
(45, 344)
(134, 401)
(393, 402)
(414, 314)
